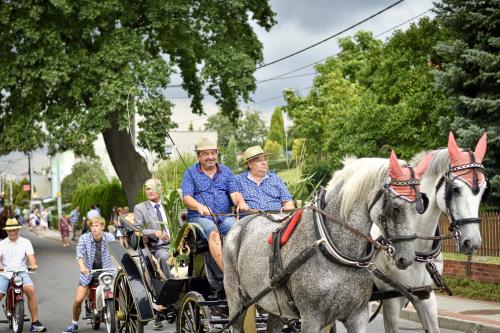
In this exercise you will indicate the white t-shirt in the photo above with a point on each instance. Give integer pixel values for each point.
(14, 254)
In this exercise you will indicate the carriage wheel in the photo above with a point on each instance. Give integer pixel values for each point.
(192, 315)
(126, 314)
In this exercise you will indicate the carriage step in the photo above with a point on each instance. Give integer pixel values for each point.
(258, 320)
(213, 303)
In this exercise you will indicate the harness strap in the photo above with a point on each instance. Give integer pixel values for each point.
(395, 284)
(437, 278)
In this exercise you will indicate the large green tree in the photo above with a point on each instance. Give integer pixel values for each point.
(71, 70)
(469, 72)
(249, 129)
(372, 97)
(82, 173)
(277, 128)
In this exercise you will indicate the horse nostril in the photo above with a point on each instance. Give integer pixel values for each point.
(403, 263)
(467, 244)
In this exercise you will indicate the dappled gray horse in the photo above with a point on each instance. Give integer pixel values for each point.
(453, 190)
(322, 289)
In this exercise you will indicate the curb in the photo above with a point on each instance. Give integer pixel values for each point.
(451, 323)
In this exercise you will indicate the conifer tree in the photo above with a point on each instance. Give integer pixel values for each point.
(469, 72)
(277, 128)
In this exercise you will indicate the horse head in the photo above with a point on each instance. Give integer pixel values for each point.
(460, 190)
(395, 206)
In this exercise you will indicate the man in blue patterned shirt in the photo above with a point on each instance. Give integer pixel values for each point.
(262, 189)
(210, 188)
(91, 253)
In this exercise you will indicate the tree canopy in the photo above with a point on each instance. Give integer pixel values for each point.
(72, 70)
(373, 97)
(468, 72)
(249, 129)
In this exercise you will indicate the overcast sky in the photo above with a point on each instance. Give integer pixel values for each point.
(299, 24)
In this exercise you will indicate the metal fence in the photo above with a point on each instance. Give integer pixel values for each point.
(490, 232)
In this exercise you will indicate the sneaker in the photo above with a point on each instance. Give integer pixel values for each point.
(158, 325)
(37, 326)
(71, 328)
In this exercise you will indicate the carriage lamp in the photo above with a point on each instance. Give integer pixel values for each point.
(18, 281)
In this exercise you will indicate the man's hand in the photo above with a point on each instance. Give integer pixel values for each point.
(163, 235)
(32, 268)
(242, 207)
(84, 271)
(204, 210)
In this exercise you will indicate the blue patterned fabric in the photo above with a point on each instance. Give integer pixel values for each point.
(85, 249)
(269, 195)
(212, 192)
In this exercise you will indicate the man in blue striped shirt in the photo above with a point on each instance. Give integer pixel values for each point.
(91, 253)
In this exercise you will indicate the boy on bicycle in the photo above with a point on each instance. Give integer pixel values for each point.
(14, 251)
(91, 253)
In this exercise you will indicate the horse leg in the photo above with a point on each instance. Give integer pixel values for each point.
(427, 313)
(233, 296)
(357, 322)
(391, 309)
(310, 325)
(274, 324)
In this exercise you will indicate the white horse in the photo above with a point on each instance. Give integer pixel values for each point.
(322, 289)
(452, 188)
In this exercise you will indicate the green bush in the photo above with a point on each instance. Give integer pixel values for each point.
(474, 289)
(281, 164)
(321, 172)
(106, 195)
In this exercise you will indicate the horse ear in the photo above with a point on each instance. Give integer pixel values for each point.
(395, 170)
(422, 166)
(480, 150)
(453, 149)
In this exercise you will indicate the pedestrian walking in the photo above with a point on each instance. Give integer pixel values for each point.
(74, 217)
(64, 229)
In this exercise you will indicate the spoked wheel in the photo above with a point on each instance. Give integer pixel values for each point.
(18, 317)
(126, 314)
(192, 316)
(109, 316)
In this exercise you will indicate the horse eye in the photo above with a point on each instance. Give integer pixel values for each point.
(456, 190)
(396, 209)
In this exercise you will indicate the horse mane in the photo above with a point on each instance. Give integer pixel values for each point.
(358, 177)
(439, 165)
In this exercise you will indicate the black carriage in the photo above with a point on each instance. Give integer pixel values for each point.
(195, 302)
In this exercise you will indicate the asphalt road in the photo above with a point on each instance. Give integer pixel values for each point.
(57, 278)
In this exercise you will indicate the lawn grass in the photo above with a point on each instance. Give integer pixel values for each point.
(465, 287)
(463, 257)
(290, 176)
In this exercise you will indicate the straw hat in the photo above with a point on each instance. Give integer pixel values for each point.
(12, 224)
(252, 153)
(205, 144)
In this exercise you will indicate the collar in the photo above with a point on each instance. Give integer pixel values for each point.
(16, 241)
(250, 177)
(154, 203)
(198, 168)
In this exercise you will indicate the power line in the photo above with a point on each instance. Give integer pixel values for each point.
(321, 60)
(332, 36)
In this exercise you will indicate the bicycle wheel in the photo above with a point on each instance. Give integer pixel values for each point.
(18, 317)
(109, 316)
(126, 313)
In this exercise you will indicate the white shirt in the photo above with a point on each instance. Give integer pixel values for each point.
(163, 214)
(14, 254)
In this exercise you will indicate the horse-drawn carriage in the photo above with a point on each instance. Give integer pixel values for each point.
(334, 284)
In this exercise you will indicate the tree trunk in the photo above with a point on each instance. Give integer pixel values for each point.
(131, 168)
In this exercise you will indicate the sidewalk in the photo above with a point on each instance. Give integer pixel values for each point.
(462, 314)
(455, 313)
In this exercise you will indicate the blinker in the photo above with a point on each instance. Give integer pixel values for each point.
(422, 202)
(388, 208)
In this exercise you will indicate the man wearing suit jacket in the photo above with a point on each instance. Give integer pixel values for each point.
(147, 214)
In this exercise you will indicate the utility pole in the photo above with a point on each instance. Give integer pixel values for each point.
(58, 184)
(10, 191)
(30, 171)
